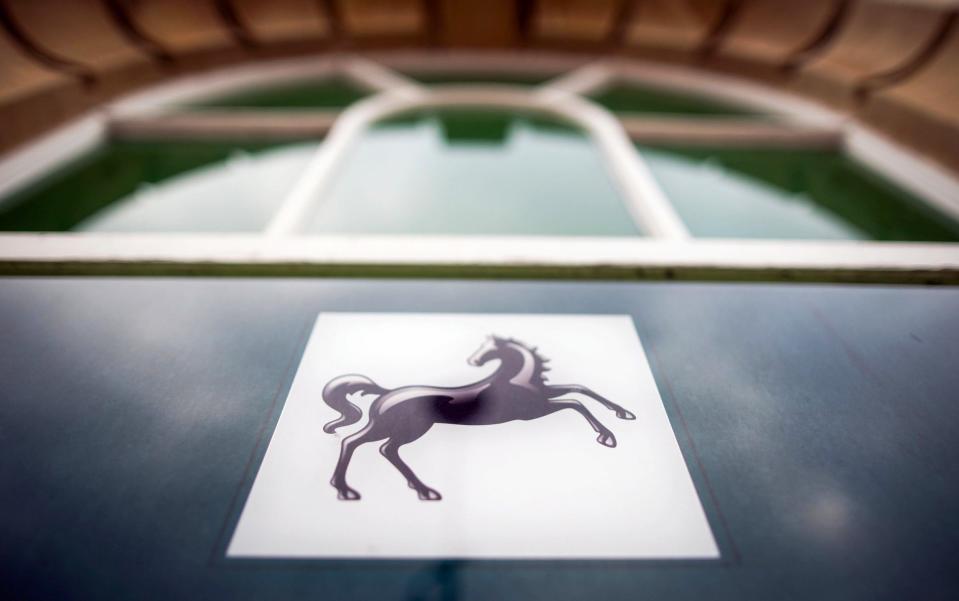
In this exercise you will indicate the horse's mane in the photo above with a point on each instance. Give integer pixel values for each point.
(539, 361)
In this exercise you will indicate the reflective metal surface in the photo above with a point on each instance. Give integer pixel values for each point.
(818, 422)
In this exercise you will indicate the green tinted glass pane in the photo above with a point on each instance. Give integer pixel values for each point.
(162, 186)
(449, 77)
(633, 98)
(473, 172)
(334, 92)
(789, 194)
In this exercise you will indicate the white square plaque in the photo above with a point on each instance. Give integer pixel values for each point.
(485, 453)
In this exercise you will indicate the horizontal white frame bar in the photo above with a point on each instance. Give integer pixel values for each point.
(732, 133)
(618, 258)
(299, 124)
(224, 125)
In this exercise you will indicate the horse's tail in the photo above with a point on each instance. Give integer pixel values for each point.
(335, 393)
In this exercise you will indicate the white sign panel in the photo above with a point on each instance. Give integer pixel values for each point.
(481, 436)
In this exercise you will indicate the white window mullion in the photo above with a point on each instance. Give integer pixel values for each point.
(346, 130)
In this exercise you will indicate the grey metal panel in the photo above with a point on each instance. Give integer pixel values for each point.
(819, 424)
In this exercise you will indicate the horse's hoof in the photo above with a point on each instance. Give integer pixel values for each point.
(607, 439)
(625, 415)
(347, 494)
(428, 494)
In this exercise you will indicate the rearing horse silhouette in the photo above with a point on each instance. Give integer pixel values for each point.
(517, 390)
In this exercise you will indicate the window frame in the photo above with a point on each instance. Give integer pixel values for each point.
(668, 253)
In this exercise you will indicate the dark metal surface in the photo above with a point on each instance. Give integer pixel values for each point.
(820, 425)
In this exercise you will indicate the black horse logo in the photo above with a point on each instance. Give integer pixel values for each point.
(516, 390)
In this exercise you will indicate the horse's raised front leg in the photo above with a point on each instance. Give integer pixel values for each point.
(391, 450)
(347, 448)
(605, 437)
(555, 390)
